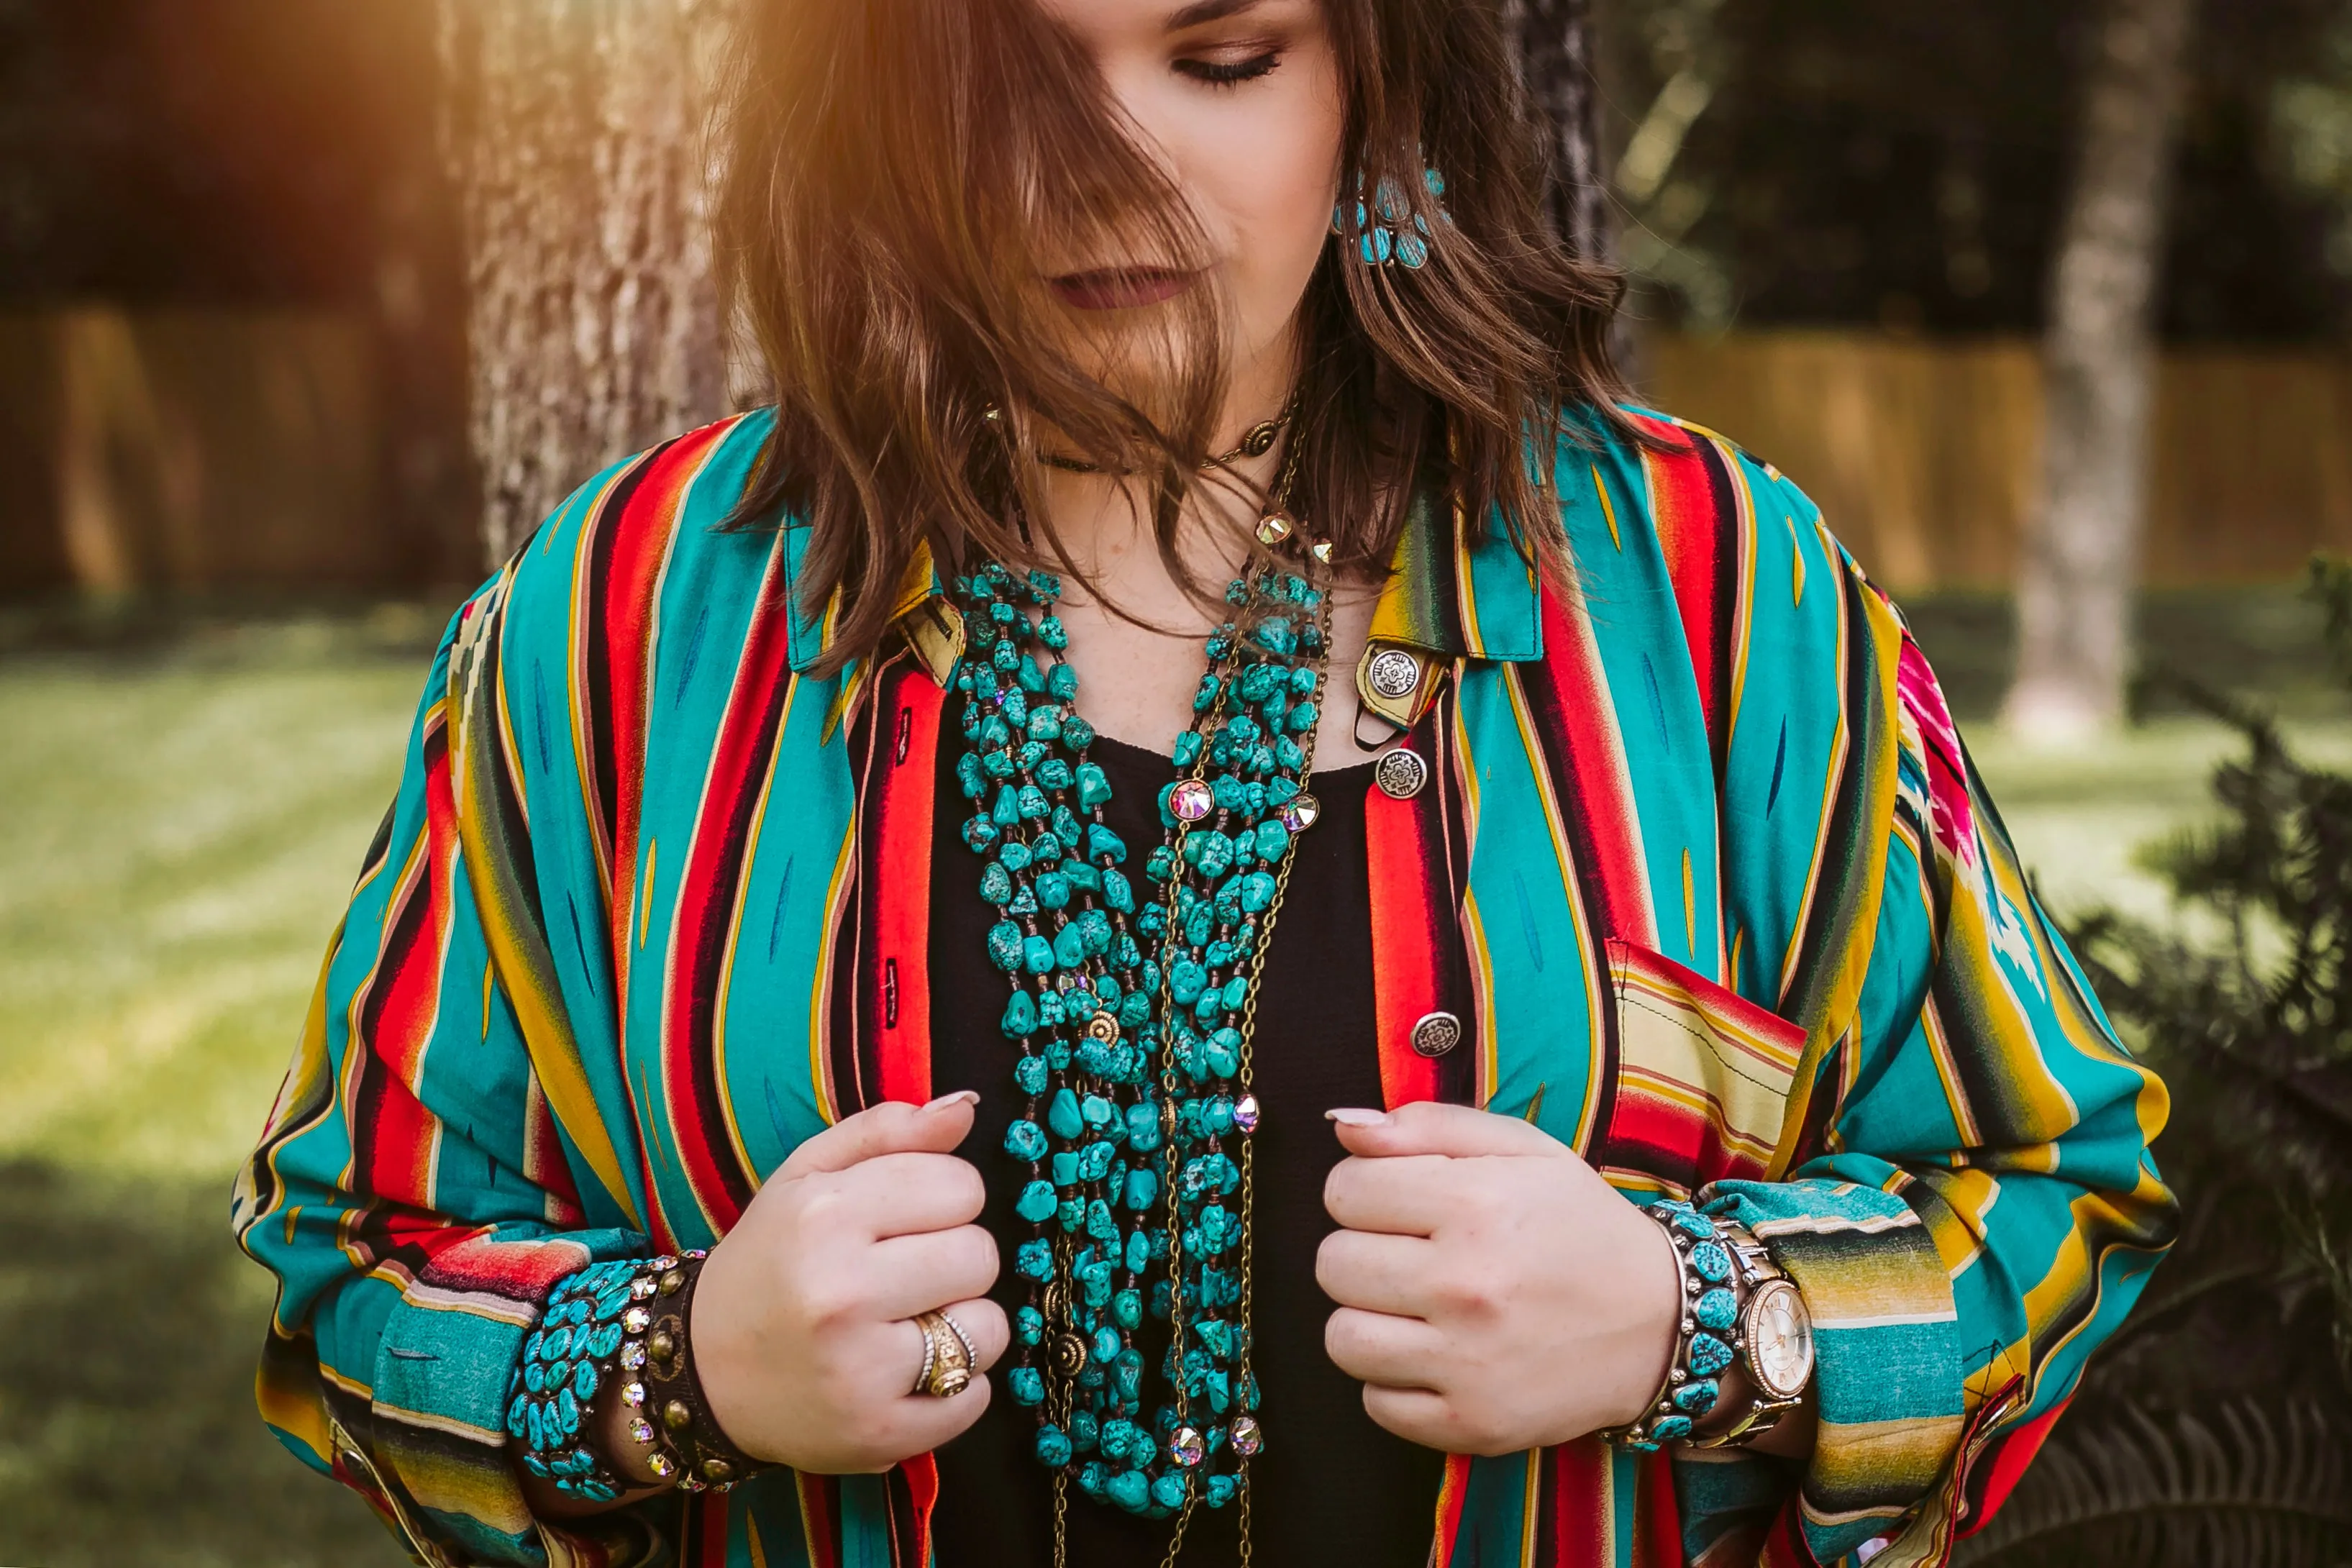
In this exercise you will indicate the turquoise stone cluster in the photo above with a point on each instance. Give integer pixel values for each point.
(1710, 1313)
(565, 1364)
(1129, 1008)
(1390, 228)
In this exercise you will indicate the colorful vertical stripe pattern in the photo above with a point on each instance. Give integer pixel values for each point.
(1701, 867)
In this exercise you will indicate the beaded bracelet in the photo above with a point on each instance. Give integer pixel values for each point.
(1708, 1311)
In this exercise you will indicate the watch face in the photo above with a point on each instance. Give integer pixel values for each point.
(1780, 1339)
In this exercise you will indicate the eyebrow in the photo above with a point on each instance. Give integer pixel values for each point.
(1202, 12)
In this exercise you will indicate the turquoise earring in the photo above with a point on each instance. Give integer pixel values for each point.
(1389, 229)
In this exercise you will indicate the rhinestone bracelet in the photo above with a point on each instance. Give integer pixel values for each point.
(670, 1393)
(1707, 1311)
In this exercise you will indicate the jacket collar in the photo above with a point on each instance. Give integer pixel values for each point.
(1452, 592)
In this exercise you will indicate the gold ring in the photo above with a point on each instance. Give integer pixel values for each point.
(931, 1357)
(948, 1356)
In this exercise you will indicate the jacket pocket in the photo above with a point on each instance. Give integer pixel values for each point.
(1697, 1079)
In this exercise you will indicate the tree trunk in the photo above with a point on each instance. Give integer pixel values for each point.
(575, 136)
(2081, 556)
(1556, 60)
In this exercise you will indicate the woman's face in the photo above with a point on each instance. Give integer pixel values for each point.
(1241, 101)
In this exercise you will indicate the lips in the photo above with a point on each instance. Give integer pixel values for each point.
(1120, 288)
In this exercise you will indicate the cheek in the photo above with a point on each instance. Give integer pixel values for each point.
(1275, 186)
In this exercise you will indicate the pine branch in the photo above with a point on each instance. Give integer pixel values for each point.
(2259, 1487)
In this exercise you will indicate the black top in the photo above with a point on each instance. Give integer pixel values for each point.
(1330, 1487)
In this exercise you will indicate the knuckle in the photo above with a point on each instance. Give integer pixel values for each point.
(1484, 1194)
(1342, 1340)
(963, 1185)
(986, 1322)
(832, 1300)
(824, 1202)
(876, 1130)
(1474, 1292)
(966, 1408)
(1332, 1261)
(977, 1258)
(1341, 1187)
(1390, 1411)
(1420, 1117)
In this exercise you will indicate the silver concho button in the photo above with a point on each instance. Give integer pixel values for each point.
(1437, 1034)
(1400, 774)
(1394, 672)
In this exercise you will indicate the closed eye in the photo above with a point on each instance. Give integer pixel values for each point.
(1224, 73)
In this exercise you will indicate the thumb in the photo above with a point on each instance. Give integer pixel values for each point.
(892, 1127)
(1431, 1127)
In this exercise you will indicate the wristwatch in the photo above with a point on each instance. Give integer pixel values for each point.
(1774, 1339)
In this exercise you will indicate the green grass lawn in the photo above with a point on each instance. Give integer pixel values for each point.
(180, 827)
(180, 830)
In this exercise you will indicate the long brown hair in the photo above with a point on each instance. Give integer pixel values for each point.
(890, 169)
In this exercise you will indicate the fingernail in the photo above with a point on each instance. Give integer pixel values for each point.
(1351, 1116)
(967, 1096)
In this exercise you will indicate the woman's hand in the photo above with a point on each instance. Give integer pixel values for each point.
(1495, 1293)
(801, 1330)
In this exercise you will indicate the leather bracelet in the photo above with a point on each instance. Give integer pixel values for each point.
(708, 1458)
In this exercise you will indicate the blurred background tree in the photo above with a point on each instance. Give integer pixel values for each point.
(2080, 558)
(1556, 57)
(1903, 166)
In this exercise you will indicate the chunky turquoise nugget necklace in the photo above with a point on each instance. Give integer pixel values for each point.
(1133, 1018)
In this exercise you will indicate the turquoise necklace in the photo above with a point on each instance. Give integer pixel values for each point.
(1131, 1016)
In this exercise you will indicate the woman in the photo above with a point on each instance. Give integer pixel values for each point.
(811, 1072)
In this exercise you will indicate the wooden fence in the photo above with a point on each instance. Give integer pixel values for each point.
(189, 450)
(1925, 455)
(210, 451)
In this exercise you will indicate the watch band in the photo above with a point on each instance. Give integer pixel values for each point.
(1765, 1287)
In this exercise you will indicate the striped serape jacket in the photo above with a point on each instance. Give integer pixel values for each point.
(1701, 866)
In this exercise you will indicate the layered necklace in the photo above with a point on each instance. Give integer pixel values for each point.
(1130, 1011)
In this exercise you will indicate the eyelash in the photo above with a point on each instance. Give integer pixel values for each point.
(1211, 73)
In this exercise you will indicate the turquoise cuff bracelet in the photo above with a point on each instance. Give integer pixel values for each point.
(1701, 1348)
(618, 1330)
(589, 1345)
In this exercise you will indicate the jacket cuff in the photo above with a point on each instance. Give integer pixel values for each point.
(1888, 1371)
(446, 1359)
